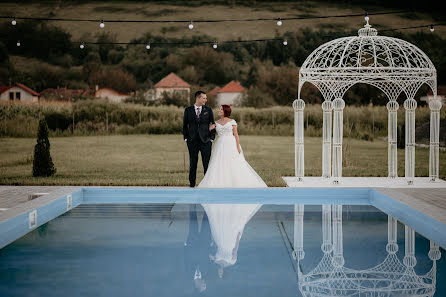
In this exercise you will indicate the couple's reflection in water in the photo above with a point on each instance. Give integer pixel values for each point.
(212, 244)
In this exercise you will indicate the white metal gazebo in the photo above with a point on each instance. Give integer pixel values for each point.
(394, 66)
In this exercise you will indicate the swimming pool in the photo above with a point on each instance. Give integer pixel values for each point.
(153, 243)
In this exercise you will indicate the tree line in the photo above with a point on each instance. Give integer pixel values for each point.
(267, 69)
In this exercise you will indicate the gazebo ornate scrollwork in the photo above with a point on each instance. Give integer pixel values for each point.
(392, 65)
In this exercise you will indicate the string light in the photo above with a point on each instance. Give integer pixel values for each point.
(279, 22)
(302, 17)
(191, 26)
(82, 46)
(102, 25)
(13, 22)
(432, 28)
(147, 46)
(215, 45)
(18, 42)
(285, 42)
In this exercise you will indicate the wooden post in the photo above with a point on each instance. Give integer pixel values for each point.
(140, 117)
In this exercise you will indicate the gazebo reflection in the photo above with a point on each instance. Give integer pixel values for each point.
(389, 278)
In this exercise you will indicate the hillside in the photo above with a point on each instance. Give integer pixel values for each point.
(125, 10)
(49, 55)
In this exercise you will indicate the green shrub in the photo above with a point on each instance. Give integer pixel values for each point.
(42, 163)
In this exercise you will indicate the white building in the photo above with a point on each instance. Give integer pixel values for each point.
(231, 94)
(111, 95)
(171, 84)
(18, 92)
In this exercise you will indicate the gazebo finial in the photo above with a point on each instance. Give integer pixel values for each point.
(367, 30)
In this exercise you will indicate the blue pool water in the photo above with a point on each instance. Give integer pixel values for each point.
(170, 250)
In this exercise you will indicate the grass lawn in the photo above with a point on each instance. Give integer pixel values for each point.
(162, 160)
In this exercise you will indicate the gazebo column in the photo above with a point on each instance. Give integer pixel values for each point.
(392, 164)
(434, 251)
(338, 250)
(298, 253)
(410, 105)
(392, 246)
(338, 107)
(434, 106)
(326, 138)
(299, 106)
(409, 256)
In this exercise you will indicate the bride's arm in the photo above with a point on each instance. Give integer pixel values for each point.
(237, 142)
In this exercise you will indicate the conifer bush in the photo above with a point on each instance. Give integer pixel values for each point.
(42, 163)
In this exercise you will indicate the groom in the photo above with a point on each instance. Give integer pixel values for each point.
(196, 121)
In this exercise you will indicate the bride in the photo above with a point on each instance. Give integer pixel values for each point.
(227, 166)
(228, 169)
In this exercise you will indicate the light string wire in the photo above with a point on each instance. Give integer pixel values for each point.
(243, 41)
(213, 42)
(199, 21)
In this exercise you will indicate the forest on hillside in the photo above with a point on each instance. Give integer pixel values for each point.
(48, 57)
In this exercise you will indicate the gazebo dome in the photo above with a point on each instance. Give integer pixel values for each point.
(391, 64)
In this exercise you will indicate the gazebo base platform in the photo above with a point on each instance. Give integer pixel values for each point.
(362, 182)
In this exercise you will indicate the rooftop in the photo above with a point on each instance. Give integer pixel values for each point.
(232, 87)
(172, 80)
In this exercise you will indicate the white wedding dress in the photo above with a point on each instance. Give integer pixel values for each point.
(227, 167)
(227, 222)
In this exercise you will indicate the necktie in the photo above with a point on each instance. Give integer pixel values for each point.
(198, 112)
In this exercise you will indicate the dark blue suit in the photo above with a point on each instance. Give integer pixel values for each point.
(198, 244)
(198, 137)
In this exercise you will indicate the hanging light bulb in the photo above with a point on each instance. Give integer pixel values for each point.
(215, 45)
(13, 22)
(279, 22)
(285, 42)
(102, 25)
(366, 18)
(147, 46)
(18, 42)
(191, 26)
(82, 46)
(432, 28)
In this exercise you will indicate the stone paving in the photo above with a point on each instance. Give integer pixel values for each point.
(11, 196)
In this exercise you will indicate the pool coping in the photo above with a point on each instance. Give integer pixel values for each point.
(15, 222)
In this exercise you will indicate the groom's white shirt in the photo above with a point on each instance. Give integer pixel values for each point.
(197, 108)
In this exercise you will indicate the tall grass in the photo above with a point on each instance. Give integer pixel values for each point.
(99, 117)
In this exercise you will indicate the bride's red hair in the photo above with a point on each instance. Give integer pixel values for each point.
(226, 110)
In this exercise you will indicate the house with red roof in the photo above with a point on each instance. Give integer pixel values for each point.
(231, 94)
(18, 93)
(171, 84)
(214, 91)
